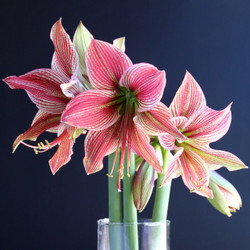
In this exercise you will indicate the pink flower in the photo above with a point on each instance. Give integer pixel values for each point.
(201, 125)
(121, 91)
(51, 90)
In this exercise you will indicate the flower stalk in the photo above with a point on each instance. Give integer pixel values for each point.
(129, 209)
(162, 194)
(115, 205)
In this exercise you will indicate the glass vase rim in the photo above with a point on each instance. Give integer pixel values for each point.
(142, 221)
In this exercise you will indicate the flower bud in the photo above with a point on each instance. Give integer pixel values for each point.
(226, 197)
(143, 185)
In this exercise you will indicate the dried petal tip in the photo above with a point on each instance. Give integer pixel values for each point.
(143, 185)
(226, 198)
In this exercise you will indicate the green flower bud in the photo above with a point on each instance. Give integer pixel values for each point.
(226, 197)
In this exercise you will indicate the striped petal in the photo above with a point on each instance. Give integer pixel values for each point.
(147, 82)
(140, 143)
(158, 120)
(65, 59)
(43, 87)
(195, 173)
(189, 98)
(41, 115)
(208, 125)
(73, 88)
(167, 141)
(97, 145)
(105, 65)
(63, 153)
(219, 158)
(42, 124)
(93, 110)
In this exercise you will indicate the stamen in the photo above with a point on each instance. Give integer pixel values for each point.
(35, 150)
(110, 176)
(39, 146)
(48, 144)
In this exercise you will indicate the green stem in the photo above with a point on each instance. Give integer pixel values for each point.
(160, 209)
(161, 203)
(115, 205)
(130, 212)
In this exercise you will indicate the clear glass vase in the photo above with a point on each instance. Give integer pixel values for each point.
(144, 235)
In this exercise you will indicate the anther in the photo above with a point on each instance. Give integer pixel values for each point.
(48, 144)
(110, 175)
(39, 146)
(35, 150)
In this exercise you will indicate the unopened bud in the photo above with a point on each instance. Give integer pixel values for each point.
(143, 185)
(226, 197)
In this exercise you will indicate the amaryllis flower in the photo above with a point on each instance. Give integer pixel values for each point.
(226, 197)
(120, 91)
(51, 90)
(202, 125)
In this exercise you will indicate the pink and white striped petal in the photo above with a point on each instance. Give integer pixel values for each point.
(146, 82)
(97, 145)
(188, 99)
(40, 116)
(43, 87)
(214, 157)
(195, 173)
(49, 104)
(140, 144)
(44, 123)
(93, 110)
(105, 65)
(63, 153)
(173, 170)
(73, 88)
(180, 121)
(158, 120)
(208, 125)
(167, 141)
(65, 59)
(38, 81)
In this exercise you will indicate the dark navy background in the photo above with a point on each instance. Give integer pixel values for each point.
(209, 38)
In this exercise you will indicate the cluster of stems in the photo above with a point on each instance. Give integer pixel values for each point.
(122, 208)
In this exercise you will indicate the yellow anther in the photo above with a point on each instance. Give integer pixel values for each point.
(48, 144)
(42, 145)
(110, 175)
(128, 174)
(192, 190)
(35, 150)
(39, 146)
(201, 179)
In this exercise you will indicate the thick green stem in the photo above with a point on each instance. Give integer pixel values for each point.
(160, 209)
(130, 212)
(115, 205)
